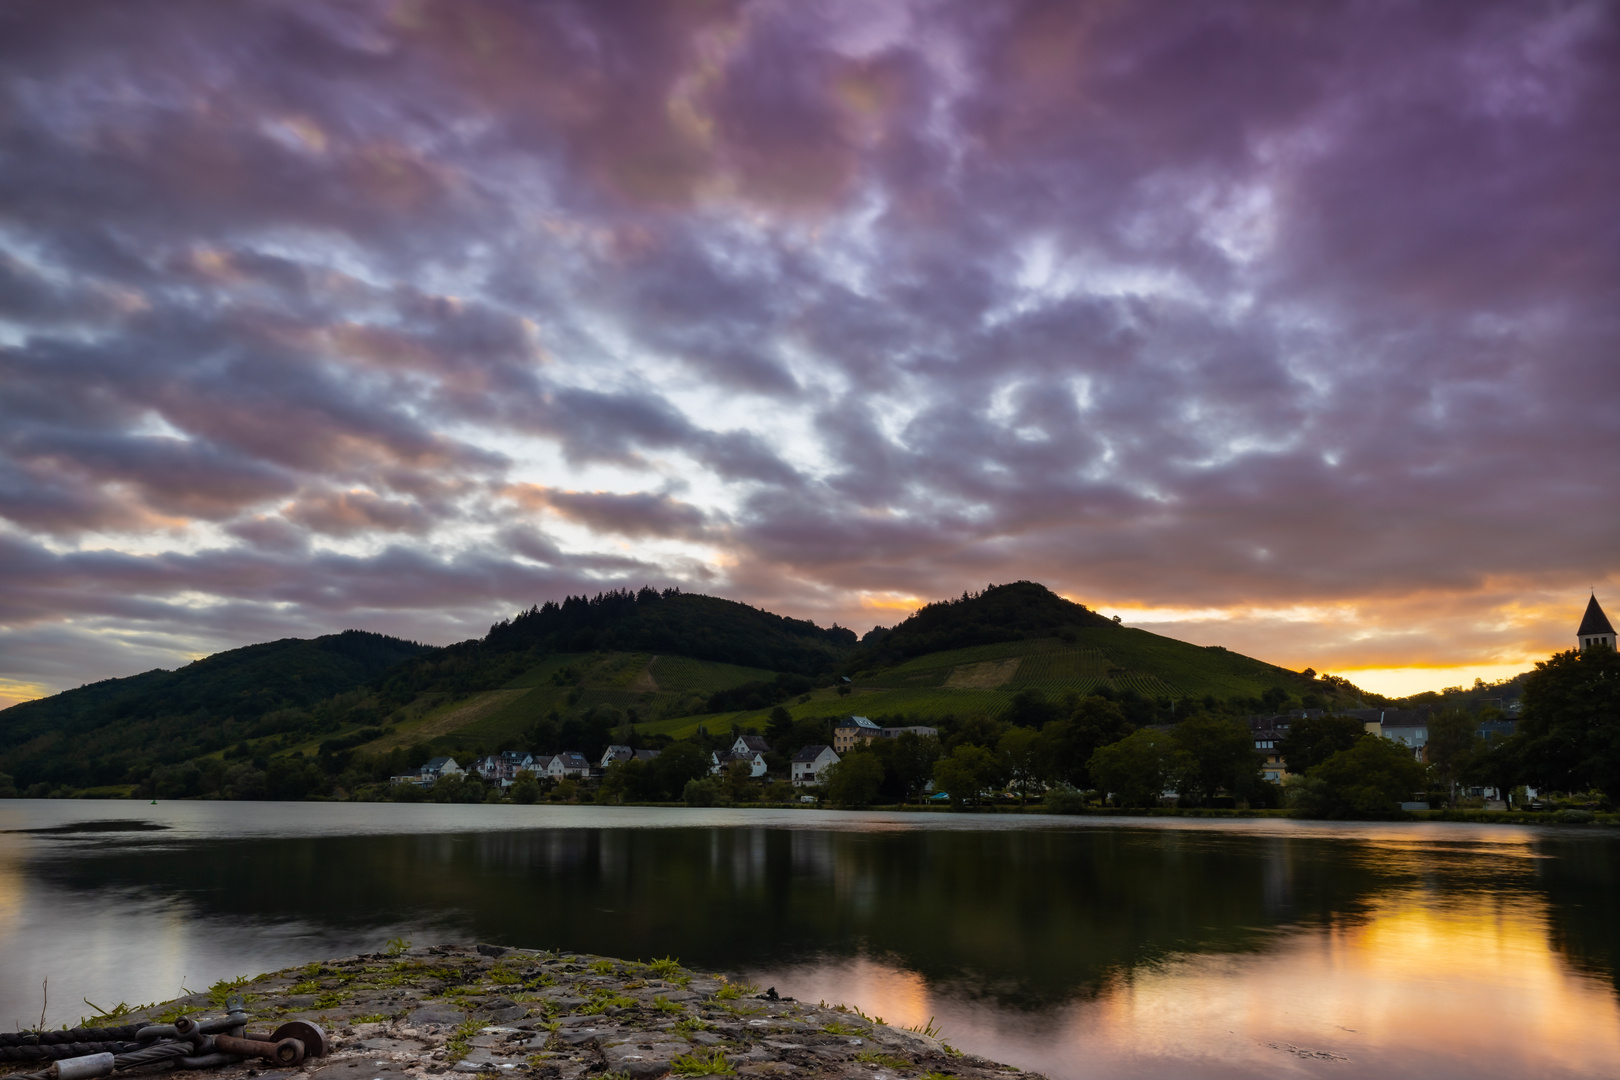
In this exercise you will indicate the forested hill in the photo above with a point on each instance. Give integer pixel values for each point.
(1021, 611)
(673, 622)
(243, 684)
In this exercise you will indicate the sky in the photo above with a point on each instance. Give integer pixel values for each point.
(1291, 327)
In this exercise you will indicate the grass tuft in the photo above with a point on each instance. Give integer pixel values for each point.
(713, 1063)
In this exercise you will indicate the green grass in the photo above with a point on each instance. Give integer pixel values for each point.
(680, 674)
(713, 1063)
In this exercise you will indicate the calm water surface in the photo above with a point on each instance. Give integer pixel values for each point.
(1082, 949)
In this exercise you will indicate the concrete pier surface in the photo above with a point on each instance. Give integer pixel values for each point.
(410, 1014)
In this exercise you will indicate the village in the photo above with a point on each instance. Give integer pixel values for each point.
(745, 758)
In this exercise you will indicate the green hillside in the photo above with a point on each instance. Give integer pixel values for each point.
(984, 679)
(317, 705)
(96, 733)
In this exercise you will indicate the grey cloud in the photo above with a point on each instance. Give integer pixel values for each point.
(1196, 305)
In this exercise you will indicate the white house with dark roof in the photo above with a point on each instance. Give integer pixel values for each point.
(624, 753)
(720, 760)
(749, 744)
(810, 763)
(432, 772)
(569, 765)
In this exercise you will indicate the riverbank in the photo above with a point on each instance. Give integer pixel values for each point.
(418, 1013)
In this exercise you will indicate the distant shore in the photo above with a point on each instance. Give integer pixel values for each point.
(1563, 818)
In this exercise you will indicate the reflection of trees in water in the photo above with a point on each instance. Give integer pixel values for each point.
(1581, 881)
(1028, 918)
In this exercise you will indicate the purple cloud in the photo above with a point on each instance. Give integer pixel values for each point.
(1219, 307)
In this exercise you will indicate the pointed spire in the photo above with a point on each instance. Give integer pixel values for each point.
(1594, 622)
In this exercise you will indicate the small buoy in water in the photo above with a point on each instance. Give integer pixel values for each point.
(154, 802)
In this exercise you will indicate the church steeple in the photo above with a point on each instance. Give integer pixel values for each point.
(1595, 631)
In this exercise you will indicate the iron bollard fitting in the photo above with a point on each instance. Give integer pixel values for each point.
(282, 1052)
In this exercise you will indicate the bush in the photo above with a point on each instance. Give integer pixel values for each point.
(1576, 817)
(1139, 768)
(525, 789)
(855, 780)
(1369, 780)
(1064, 800)
(705, 792)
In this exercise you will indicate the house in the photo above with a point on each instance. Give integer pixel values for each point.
(749, 744)
(440, 767)
(858, 729)
(809, 764)
(1268, 733)
(431, 773)
(851, 730)
(569, 765)
(624, 753)
(1413, 736)
(918, 730)
(755, 759)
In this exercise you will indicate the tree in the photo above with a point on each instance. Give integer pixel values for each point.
(976, 731)
(1454, 744)
(1370, 779)
(1068, 744)
(854, 780)
(740, 786)
(1022, 754)
(912, 762)
(677, 764)
(1030, 708)
(1222, 756)
(778, 727)
(1569, 729)
(705, 792)
(966, 774)
(1139, 768)
(1313, 740)
(525, 789)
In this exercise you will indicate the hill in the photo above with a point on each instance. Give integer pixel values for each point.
(1021, 611)
(93, 734)
(592, 670)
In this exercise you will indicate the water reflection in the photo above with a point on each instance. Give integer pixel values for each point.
(1082, 951)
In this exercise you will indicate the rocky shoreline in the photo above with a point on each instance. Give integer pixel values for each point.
(410, 1014)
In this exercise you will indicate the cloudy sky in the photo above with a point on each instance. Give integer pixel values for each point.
(1288, 326)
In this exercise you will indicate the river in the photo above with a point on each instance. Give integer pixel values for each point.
(1084, 948)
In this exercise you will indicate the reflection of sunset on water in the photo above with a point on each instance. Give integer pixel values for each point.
(1460, 988)
(1189, 948)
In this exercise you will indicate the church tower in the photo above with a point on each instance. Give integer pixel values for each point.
(1595, 631)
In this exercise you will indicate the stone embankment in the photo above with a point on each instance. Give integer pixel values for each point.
(414, 1014)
